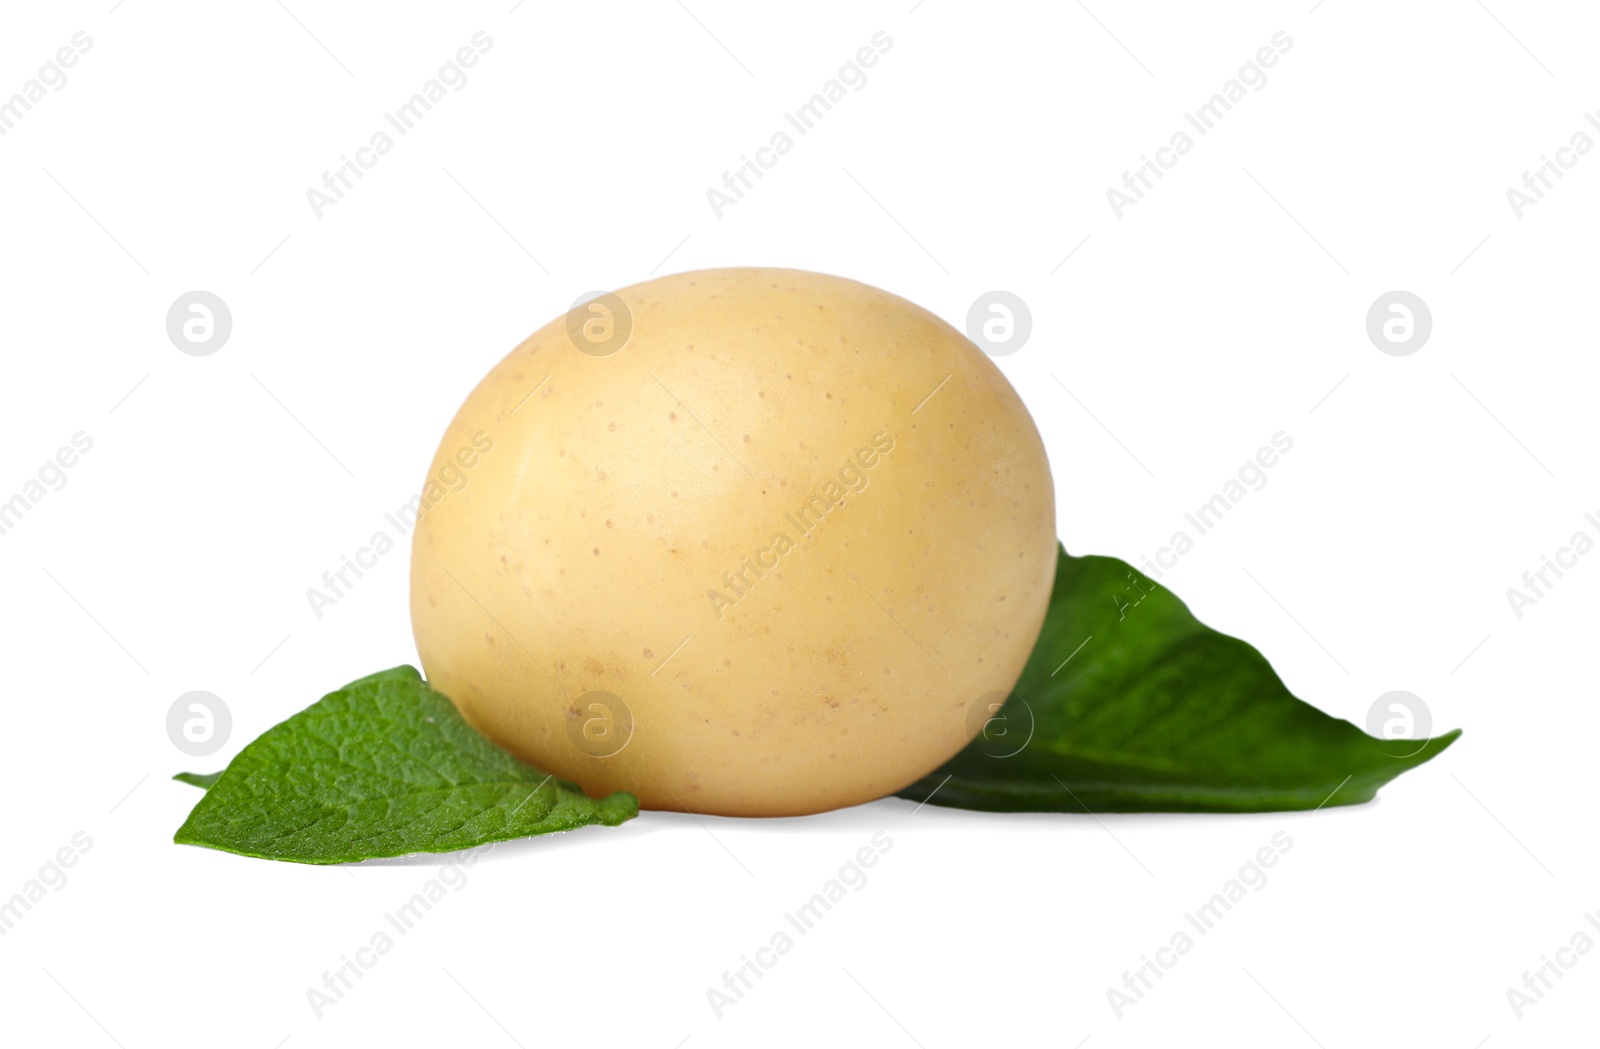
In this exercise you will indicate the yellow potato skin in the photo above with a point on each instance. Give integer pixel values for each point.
(583, 549)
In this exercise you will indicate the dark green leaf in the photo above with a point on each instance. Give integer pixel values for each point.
(383, 767)
(203, 780)
(1157, 712)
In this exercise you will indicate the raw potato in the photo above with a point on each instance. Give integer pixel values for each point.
(799, 531)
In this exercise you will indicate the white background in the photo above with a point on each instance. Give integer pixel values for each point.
(1227, 305)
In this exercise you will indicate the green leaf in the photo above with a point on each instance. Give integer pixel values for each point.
(1157, 712)
(203, 780)
(383, 767)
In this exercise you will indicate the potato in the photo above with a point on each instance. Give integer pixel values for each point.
(753, 542)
